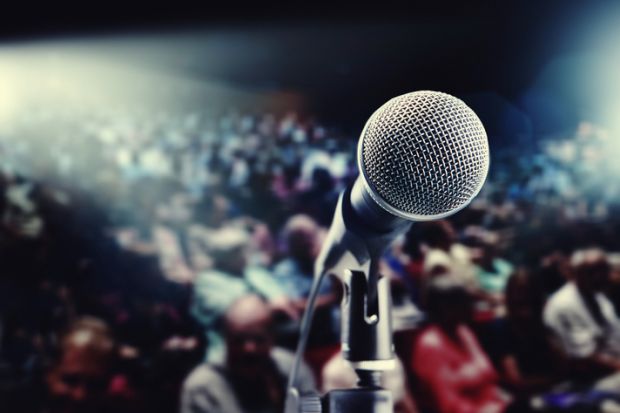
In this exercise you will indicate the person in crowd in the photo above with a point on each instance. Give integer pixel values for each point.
(170, 236)
(449, 365)
(301, 237)
(492, 271)
(319, 200)
(295, 273)
(584, 323)
(253, 376)
(529, 363)
(444, 255)
(554, 271)
(229, 279)
(79, 377)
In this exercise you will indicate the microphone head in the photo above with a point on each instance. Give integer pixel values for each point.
(423, 155)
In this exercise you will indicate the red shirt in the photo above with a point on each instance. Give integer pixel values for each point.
(458, 377)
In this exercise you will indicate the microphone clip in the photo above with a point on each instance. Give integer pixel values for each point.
(367, 343)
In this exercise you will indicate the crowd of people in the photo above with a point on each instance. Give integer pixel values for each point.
(162, 262)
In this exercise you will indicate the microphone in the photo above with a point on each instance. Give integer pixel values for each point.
(422, 156)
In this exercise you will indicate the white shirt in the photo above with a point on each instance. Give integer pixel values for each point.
(568, 317)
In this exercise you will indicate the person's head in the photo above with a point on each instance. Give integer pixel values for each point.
(447, 302)
(172, 204)
(524, 298)
(554, 270)
(249, 337)
(412, 244)
(301, 234)
(591, 269)
(213, 211)
(439, 234)
(322, 180)
(79, 376)
(482, 244)
(229, 249)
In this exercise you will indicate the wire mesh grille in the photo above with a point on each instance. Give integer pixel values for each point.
(425, 153)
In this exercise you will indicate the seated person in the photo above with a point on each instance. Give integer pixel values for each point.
(231, 278)
(302, 237)
(254, 375)
(448, 362)
(295, 274)
(584, 323)
(528, 362)
(492, 271)
(443, 254)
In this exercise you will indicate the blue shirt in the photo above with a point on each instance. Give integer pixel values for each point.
(295, 282)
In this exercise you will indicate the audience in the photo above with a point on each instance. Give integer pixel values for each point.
(158, 224)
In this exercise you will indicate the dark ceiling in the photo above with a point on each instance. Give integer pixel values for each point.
(343, 59)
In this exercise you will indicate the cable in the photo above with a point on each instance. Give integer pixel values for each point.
(306, 323)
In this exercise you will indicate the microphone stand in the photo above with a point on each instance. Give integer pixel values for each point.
(366, 338)
(366, 343)
(366, 334)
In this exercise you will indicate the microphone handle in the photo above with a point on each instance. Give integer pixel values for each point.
(369, 212)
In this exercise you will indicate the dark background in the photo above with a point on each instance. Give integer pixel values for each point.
(347, 59)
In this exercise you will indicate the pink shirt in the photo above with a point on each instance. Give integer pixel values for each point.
(457, 378)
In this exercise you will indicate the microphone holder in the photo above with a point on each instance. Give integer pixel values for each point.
(366, 343)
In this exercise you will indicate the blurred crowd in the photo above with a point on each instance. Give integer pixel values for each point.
(162, 261)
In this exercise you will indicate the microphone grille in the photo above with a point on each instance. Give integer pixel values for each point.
(424, 155)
